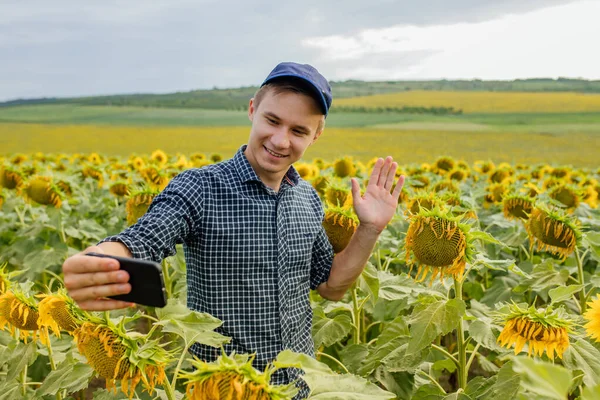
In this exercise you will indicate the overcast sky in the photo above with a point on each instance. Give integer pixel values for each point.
(73, 48)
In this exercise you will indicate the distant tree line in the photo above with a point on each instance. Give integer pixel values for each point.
(400, 110)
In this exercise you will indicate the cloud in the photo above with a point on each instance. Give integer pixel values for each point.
(68, 48)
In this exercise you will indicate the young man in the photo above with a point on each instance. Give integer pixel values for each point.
(252, 229)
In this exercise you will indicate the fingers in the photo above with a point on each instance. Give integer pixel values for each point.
(77, 281)
(398, 187)
(355, 191)
(95, 292)
(104, 305)
(384, 172)
(80, 263)
(389, 181)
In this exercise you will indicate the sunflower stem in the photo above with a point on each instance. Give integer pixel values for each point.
(582, 295)
(460, 338)
(338, 362)
(169, 391)
(167, 277)
(178, 367)
(446, 353)
(24, 381)
(356, 315)
(473, 354)
(433, 380)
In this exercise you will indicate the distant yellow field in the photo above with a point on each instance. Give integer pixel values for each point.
(482, 102)
(407, 146)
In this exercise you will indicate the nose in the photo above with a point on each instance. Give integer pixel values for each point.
(280, 138)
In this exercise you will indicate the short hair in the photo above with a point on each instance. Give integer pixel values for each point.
(288, 85)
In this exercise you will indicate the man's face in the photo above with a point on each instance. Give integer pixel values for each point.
(283, 126)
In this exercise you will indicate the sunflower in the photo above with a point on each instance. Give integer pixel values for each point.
(337, 194)
(42, 191)
(159, 157)
(18, 159)
(119, 189)
(10, 178)
(344, 167)
(500, 175)
(553, 231)
(567, 195)
(94, 173)
(419, 181)
(443, 164)
(94, 158)
(198, 157)
(459, 207)
(233, 378)
(561, 172)
(137, 163)
(59, 312)
(592, 316)
(307, 171)
(138, 203)
(320, 183)
(155, 178)
(458, 174)
(1, 199)
(182, 163)
(516, 206)
(437, 240)
(425, 201)
(484, 167)
(117, 355)
(590, 197)
(19, 311)
(340, 224)
(542, 330)
(446, 185)
(496, 192)
(65, 187)
(216, 157)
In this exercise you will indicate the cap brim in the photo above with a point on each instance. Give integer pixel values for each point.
(315, 88)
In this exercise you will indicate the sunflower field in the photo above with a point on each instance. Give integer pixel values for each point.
(483, 286)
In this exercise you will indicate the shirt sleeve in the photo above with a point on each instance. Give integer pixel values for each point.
(171, 217)
(322, 259)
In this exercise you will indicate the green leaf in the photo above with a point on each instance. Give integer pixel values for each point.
(369, 281)
(68, 375)
(485, 238)
(506, 385)
(543, 378)
(457, 396)
(432, 320)
(353, 356)
(399, 360)
(428, 392)
(498, 265)
(584, 356)
(344, 387)
(22, 355)
(10, 391)
(478, 385)
(400, 383)
(192, 326)
(446, 364)
(563, 293)
(482, 331)
(327, 331)
(591, 393)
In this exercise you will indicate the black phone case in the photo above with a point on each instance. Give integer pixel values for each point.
(145, 278)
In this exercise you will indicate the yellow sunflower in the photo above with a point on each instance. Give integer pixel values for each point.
(344, 167)
(138, 203)
(542, 330)
(516, 206)
(552, 231)
(340, 224)
(19, 310)
(437, 241)
(42, 191)
(592, 316)
(233, 378)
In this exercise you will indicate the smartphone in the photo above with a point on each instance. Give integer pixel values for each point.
(145, 278)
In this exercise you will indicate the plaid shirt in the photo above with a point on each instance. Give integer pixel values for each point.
(252, 254)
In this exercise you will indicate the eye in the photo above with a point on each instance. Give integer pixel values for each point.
(272, 121)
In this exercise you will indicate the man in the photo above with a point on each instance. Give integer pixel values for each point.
(252, 229)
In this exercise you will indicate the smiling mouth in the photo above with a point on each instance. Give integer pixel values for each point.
(274, 154)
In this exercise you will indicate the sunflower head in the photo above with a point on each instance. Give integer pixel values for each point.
(182, 163)
(18, 159)
(447, 185)
(542, 330)
(137, 163)
(340, 224)
(338, 195)
(216, 157)
(19, 310)
(496, 192)
(426, 201)
(94, 158)
(484, 167)
(65, 187)
(567, 195)
(119, 189)
(419, 181)
(94, 173)
(42, 191)
(320, 183)
(154, 177)
(517, 206)
(233, 377)
(307, 171)
(344, 167)
(117, 355)
(561, 172)
(529, 189)
(437, 241)
(458, 174)
(553, 231)
(500, 175)
(138, 203)
(159, 157)
(59, 312)
(11, 178)
(592, 316)
(590, 197)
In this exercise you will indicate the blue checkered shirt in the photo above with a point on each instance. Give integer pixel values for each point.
(252, 254)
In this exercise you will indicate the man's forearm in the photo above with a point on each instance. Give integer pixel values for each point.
(349, 263)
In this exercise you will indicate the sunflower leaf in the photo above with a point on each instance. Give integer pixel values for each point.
(432, 320)
(563, 293)
(327, 331)
(68, 375)
(542, 378)
(584, 356)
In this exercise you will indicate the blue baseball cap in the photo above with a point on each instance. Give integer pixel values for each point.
(308, 73)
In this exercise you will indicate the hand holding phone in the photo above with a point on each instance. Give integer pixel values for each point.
(145, 278)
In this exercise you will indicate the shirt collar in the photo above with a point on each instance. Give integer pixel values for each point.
(247, 173)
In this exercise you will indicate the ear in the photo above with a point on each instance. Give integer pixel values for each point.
(251, 109)
(319, 132)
